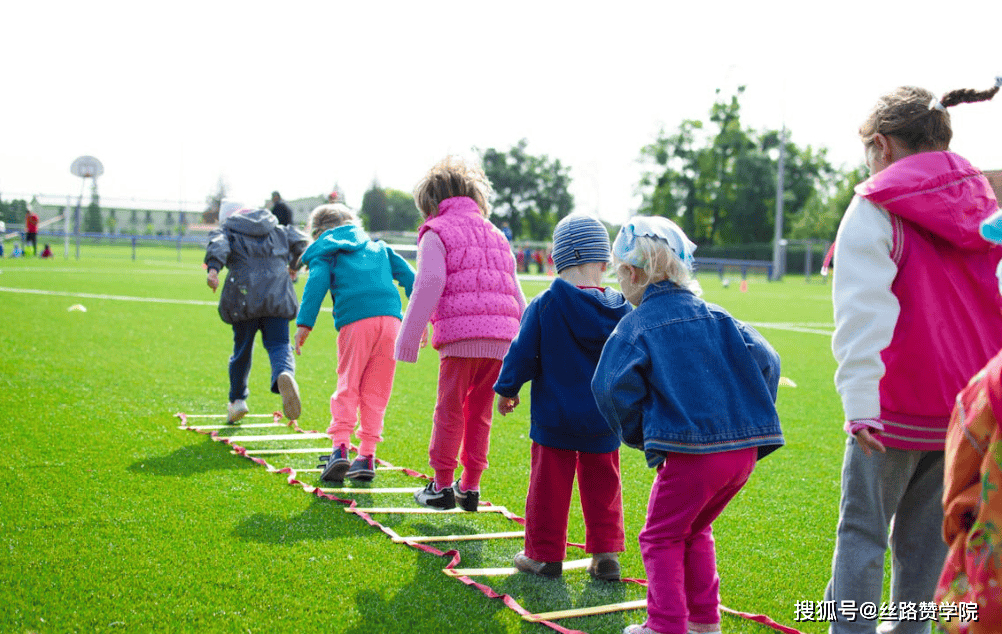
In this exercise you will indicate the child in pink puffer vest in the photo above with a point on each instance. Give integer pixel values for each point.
(466, 286)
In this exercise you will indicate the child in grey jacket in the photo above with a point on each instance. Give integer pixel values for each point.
(262, 258)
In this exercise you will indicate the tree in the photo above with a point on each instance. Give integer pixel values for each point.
(402, 213)
(213, 200)
(375, 208)
(821, 216)
(13, 212)
(92, 220)
(530, 192)
(720, 184)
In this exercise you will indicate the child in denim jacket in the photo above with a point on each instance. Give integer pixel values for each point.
(695, 389)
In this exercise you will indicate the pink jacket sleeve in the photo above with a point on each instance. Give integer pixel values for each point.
(428, 286)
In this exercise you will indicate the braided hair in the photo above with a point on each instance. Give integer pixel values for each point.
(916, 117)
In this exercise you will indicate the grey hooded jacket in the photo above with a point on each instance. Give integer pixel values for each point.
(258, 253)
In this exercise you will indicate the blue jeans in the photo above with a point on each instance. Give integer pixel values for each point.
(275, 336)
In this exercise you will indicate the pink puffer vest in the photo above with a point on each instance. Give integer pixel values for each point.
(479, 300)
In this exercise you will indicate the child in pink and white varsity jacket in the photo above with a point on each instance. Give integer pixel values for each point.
(917, 313)
(466, 286)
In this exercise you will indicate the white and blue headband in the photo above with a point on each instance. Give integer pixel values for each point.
(625, 246)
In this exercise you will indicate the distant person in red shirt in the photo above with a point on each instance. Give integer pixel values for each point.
(46, 252)
(31, 231)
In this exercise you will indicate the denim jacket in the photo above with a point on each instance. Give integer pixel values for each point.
(679, 375)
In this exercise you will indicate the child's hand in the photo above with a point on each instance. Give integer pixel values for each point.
(425, 335)
(507, 405)
(212, 279)
(869, 442)
(302, 333)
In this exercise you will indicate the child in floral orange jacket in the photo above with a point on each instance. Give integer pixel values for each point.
(972, 495)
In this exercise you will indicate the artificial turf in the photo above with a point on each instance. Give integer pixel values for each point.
(114, 520)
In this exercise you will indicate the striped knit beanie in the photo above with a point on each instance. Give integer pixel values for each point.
(579, 239)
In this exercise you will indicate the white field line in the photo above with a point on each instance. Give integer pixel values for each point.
(808, 328)
(811, 328)
(46, 270)
(121, 298)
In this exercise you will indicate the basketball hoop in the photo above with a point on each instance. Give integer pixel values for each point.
(87, 167)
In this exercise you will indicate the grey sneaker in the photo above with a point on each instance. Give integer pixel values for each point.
(468, 500)
(363, 469)
(432, 498)
(546, 569)
(337, 465)
(287, 387)
(235, 411)
(604, 566)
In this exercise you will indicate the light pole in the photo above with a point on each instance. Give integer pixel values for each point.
(777, 238)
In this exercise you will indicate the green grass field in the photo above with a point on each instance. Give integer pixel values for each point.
(114, 520)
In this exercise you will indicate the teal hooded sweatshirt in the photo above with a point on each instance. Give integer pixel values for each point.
(359, 274)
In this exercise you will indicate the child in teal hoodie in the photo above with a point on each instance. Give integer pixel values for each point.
(359, 273)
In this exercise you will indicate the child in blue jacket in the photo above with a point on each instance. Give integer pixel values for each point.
(695, 389)
(558, 346)
(359, 273)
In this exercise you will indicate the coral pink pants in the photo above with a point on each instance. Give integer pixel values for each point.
(676, 543)
(365, 367)
(462, 424)
(548, 502)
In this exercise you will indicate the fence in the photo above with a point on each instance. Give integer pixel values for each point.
(133, 242)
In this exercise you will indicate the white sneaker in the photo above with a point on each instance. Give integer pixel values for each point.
(235, 411)
(287, 387)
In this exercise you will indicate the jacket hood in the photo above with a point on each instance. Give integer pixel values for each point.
(938, 191)
(605, 305)
(257, 222)
(343, 238)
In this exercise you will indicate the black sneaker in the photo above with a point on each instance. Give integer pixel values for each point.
(337, 465)
(468, 500)
(363, 469)
(546, 569)
(428, 496)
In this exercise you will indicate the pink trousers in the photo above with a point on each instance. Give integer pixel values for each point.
(365, 367)
(548, 502)
(462, 424)
(676, 543)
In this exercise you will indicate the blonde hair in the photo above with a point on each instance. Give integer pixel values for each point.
(329, 216)
(660, 263)
(449, 178)
(909, 114)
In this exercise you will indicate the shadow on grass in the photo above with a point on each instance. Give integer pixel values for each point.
(431, 602)
(190, 460)
(322, 520)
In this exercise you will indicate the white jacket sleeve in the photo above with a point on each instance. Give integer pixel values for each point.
(866, 311)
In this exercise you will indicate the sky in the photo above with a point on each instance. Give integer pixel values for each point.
(301, 95)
